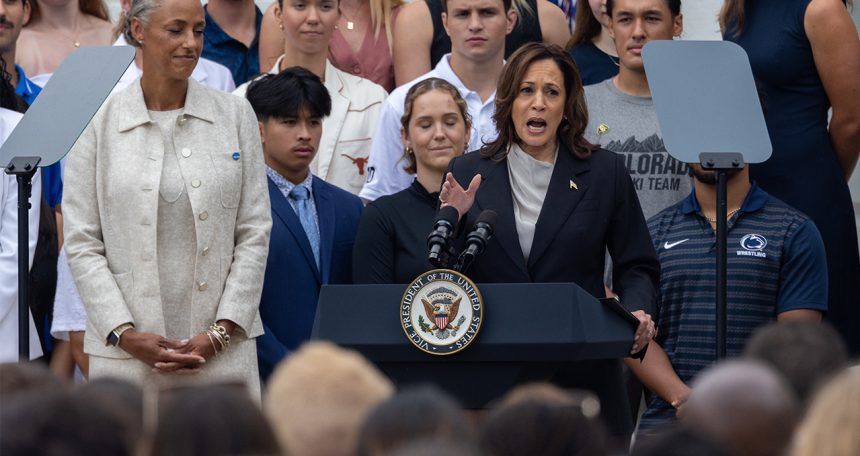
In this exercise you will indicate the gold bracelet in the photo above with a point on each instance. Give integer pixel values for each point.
(216, 336)
(209, 335)
(221, 331)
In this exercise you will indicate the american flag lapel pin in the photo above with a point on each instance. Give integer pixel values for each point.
(573, 185)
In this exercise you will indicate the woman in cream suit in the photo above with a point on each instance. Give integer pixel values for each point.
(167, 216)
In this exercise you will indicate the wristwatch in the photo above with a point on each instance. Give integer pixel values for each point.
(114, 336)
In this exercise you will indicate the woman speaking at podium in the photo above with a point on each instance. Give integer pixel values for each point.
(561, 203)
(167, 216)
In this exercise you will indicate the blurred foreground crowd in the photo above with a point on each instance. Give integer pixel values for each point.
(329, 401)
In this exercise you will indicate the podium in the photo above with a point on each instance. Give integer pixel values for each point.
(529, 331)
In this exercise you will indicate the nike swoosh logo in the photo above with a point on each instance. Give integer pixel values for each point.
(668, 246)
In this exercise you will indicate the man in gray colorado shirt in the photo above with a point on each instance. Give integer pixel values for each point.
(621, 115)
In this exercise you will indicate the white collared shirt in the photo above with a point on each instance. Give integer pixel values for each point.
(385, 174)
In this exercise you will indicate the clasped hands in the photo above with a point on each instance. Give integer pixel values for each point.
(168, 355)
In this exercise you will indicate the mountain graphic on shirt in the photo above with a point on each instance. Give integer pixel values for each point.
(652, 143)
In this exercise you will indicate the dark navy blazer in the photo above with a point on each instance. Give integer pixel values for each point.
(590, 207)
(292, 284)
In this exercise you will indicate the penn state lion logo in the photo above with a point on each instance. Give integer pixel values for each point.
(449, 314)
(753, 246)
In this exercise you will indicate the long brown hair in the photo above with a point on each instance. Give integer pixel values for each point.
(733, 16)
(96, 8)
(586, 27)
(429, 85)
(572, 128)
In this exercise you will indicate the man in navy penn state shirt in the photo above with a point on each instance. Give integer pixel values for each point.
(777, 270)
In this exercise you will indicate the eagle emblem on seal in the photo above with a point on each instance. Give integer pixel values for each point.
(441, 312)
(441, 309)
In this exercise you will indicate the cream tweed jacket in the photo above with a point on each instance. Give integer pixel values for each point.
(110, 209)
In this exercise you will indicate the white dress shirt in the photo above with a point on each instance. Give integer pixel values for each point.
(9, 251)
(385, 174)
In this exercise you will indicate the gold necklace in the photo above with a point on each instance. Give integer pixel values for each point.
(728, 216)
(350, 24)
(74, 36)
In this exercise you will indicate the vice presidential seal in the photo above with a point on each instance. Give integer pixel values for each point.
(441, 312)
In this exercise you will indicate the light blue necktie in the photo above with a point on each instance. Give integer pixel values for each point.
(300, 194)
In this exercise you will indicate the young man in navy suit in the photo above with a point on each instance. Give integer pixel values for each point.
(313, 222)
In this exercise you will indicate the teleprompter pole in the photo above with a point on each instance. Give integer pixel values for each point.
(721, 163)
(23, 168)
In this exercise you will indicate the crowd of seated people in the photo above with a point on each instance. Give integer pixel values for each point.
(247, 158)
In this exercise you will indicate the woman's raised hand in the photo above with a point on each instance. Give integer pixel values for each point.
(453, 195)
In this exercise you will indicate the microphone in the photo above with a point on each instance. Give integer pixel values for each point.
(437, 241)
(477, 240)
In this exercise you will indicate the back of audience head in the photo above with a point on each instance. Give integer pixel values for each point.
(20, 378)
(319, 396)
(543, 419)
(435, 447)
(288, 94)
(831, 425)
(59, 423)
(743, 404)
(210, 420)
(414, 413)
(805, 353)
(122, 400)
(677, 441)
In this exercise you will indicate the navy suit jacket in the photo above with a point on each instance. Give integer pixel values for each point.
(590, 206)
(292, 283)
